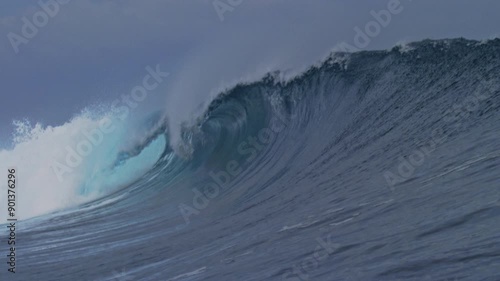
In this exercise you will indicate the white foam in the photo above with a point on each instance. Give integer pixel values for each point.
(36, 150)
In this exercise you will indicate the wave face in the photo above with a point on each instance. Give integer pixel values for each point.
(379, 165)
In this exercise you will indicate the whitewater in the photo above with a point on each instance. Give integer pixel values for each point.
(374, 165)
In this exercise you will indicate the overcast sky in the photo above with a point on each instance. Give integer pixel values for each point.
(93, 51)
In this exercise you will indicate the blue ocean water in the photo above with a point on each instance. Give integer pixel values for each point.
(377, 165)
